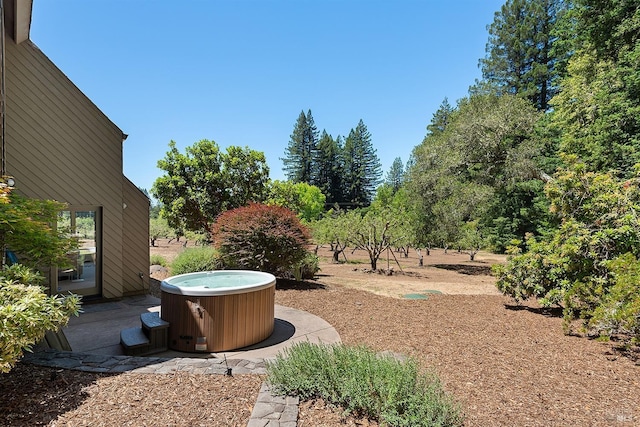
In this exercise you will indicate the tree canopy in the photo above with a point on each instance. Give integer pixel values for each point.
(468, 170)
(203, 182)
(307, 201)
(522, 57)
(346, 173)
(300, 155)
(395, 176)
(362, 170)
(585, 258)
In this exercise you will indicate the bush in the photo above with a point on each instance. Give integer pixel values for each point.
(576, 266)
(25, 227)
(192, 260)
(26, 313)
(619, 311)
(157, 259)
(260, 237)
(307, 268)
(365, 384)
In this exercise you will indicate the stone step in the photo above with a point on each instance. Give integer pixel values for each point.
(134, 341)
(152, 320)
(157, 330)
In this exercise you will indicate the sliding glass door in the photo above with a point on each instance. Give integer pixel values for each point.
(82, 272)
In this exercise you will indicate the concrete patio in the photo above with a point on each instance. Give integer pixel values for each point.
(97, 330)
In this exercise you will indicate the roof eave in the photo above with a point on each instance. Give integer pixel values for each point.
(22, 19)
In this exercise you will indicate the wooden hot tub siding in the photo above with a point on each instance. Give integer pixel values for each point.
(227, 321)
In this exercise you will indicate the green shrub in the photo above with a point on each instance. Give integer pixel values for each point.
(307, 268)
(25, 227)
(157, 259)
(260, 237)
(575, 265)
(619, 311)
(192, 260)
(365, 384)
(26, 313)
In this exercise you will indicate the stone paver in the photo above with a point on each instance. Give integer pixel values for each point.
(269, 411)
(274, 411)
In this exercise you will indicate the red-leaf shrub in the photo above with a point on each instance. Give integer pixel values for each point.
(260, 237)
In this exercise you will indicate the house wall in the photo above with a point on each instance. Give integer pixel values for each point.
(60, 146)
(135, 239)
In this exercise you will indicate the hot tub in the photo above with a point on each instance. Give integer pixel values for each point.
(216, 311)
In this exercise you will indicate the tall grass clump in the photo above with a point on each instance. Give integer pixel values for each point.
(204, 258)
(307, 268)
(157, 259)
(363, 383)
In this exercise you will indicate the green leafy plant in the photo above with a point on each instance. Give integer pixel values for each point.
(619, 311)
(191, 260)
(364, 383)
(307, 201)
(157, 259)
(307, 268)
(260, 237)
(204, 181)
(577, 266)
(26, 313)
(26, 228)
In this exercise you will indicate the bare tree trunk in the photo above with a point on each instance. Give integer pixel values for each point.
(337, 250)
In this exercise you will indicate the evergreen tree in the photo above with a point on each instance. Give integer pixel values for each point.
(521, 58)
(329, 167)
(362, 168)
(441, 118)
(395, 176)
(598, 109)
(301, 151)
(612, 27)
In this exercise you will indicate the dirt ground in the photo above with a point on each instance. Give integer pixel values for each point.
(507, 365)
(449, 273)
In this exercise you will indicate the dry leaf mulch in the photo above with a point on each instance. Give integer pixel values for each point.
(507, 365)
(36, 396)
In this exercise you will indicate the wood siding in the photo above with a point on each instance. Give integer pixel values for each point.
(135, 250)
(60, 146)
(227, 321)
